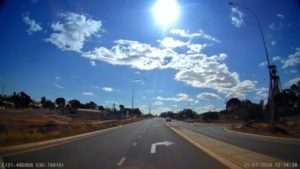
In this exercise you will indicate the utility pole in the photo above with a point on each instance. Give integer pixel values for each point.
(132, 98)
(149, 108)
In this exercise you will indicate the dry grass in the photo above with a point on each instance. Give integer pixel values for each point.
(25, 129)
(290, 129)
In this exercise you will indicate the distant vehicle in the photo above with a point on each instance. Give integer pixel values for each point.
(189, 120)
(168, 119)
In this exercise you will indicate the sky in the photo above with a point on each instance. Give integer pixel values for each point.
(99, 50)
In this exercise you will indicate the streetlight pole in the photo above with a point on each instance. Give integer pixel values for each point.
(273, 76)
(132, 97)
(260, 30)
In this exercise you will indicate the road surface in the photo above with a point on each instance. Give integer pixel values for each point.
(282, 149)
(125, 147)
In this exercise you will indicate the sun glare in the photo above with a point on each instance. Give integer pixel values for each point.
(166, 11)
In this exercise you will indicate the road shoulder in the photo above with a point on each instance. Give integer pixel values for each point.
(27, 147)
(259, 135)
(230, 155)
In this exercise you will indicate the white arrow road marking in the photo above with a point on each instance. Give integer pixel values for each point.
(153, 146)
(1, 163)
(121, 161)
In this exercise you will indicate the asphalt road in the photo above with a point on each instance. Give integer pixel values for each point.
(282, 149)
(125, 147)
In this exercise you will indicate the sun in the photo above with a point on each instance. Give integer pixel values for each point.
(165, 11)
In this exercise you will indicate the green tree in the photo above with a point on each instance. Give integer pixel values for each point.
(21, 100)
(74, 105)
(49, 104)
(91, 105)
(43, 101)
(100, 107)
(122, 109)
(232, 104)
(60, 101)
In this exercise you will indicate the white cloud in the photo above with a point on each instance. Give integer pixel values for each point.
(207, 108)
(132, 53)
(206, 72)
(158, 103)
(276, 25)
(71, 32)
(273, 42)
(263, 64)
(237, 17)
(292, 59)
(88, 93)
(169, 42)
(183, 97)
(293, 71)
(208, 96)
(202, 71)
(57, 78)
(179, 98)
(33, 26)
(262, 92)
(93, 63)
(193, 67)
(195, 48)
(280, 16)
(200, 34)
(292, 81)
(137, 72)
(108, 89)
(239, 90)
(58, 86)
(184, 33)
(275, 58)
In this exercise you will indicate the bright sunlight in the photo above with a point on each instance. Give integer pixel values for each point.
(166, 11)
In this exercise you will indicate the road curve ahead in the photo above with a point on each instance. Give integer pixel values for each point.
(148, 145)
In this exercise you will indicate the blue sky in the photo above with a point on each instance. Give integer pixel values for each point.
(94, 51)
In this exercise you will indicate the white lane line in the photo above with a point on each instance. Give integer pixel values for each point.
(1, 163)
(140, 136)
(134, 144)
(144, 131)
(121, 161)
